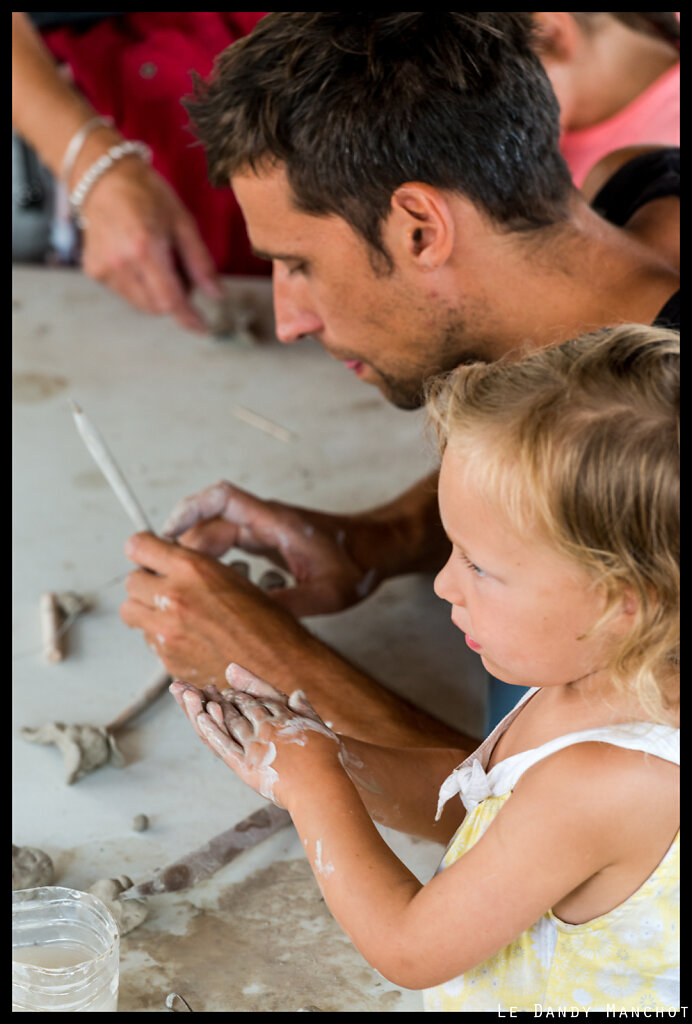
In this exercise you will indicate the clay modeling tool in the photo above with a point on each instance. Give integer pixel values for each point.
(176, 1004)
(219, 851)
(110, 468)
(88, 747)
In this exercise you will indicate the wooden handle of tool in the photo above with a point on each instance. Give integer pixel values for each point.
(160, 683)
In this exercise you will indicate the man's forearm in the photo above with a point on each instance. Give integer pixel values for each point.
(353, 702)
(413, 540)
(400, 786)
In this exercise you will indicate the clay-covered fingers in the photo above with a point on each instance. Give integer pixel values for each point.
(193, 705)
(219, 742)
(221, 730)
(220, 499)
(224, 516)
(195, 702)
(255, 711)
(275, 708)
(242, 681)
(239, 678)
(181, 691)
(215, 712)
(229, 715)
(298, 702)
(316, 548)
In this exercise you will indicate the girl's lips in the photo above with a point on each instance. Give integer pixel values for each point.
(472, 643)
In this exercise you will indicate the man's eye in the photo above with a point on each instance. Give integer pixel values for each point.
(297, 268)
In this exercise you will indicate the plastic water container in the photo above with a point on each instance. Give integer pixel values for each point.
(65, 952)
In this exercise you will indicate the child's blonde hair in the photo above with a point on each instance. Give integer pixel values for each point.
(581, 441)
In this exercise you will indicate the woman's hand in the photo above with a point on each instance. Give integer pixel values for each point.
(141, 241)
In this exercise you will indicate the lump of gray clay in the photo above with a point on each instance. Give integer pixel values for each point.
(127, 913)
(140, 823)
(271, 580)
(30, 868)
(84, 747)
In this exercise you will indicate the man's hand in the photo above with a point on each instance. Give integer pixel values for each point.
(199, 615)
(332, 558)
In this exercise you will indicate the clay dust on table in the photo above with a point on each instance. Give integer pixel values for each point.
(269, 944)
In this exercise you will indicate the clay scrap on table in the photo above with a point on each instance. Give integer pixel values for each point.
(58, 612)
(84, 747)
(127, 915)
(31, 868)
(271, 579)
(239, 317)
(88, 747)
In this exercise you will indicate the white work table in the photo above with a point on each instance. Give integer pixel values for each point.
(256, 936)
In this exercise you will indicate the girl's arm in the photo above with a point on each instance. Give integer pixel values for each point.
(530, 857)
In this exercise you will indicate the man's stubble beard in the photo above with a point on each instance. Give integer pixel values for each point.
(456, 349)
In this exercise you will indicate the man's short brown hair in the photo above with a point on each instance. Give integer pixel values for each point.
(355, 105)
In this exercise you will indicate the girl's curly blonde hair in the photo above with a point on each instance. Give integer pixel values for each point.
(581, 442)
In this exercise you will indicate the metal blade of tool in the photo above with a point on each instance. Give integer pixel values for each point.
(220, 850)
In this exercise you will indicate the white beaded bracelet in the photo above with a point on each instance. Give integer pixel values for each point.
(99, 168)
(77, 141)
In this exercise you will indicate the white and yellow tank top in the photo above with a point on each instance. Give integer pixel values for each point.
(625, 959)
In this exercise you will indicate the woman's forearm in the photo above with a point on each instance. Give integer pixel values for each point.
(46, 110)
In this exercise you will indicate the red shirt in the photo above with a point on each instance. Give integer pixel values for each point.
(136, 69)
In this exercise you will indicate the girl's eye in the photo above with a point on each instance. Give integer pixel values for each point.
(474, 568)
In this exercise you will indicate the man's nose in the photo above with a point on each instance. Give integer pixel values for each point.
(292, 313)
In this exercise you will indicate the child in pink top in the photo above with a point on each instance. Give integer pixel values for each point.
(617, 80)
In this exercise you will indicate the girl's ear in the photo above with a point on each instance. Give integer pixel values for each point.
(623, 619)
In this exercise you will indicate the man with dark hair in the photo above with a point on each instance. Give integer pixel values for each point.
(402, 173)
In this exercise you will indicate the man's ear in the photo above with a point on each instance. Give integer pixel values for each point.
(421, 226)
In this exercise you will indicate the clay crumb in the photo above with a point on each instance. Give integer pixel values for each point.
(140, 823)
(127, 915)
(271, 580)
(31, 867)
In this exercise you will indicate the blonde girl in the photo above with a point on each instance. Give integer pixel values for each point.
(558, 888)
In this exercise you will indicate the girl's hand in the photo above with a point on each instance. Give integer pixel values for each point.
(272, 741)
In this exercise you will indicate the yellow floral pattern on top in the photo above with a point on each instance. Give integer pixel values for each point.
(626, 959)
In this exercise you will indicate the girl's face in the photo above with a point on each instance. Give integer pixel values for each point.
(522, 604)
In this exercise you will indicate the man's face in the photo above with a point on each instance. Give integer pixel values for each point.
(392, 330)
